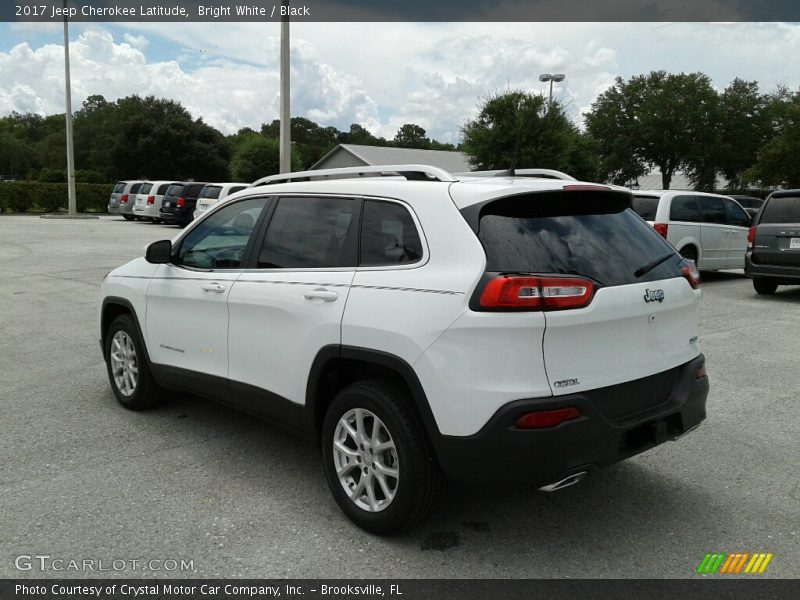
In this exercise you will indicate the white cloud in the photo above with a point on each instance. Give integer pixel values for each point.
(381, 74)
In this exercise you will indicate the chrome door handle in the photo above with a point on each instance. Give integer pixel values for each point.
(214, 287)
(320, 294)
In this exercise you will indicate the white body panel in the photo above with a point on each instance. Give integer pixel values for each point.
(187, 319)
(276, 332)
(619, 337)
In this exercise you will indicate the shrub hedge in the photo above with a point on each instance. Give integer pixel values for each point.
(33, 196)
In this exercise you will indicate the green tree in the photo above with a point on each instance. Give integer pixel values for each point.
(777, 162)
(669, 121)
(519, 129)
(258, 156)
(743, 128)
(361, 136)
(16, 156)
(411, 136)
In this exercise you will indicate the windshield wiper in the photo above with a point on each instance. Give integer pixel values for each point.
(646, 268)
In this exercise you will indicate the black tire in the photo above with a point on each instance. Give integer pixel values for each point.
(690, 253)
(420, 480)
(146, 392)
(763, 286)
(127, 217)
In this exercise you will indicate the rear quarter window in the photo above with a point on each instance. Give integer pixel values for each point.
(684, 209)
(605, 242)
(646, 207)
(781, 209)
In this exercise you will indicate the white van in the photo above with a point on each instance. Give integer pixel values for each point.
(214, 193)
(149, 199)
(707, 228)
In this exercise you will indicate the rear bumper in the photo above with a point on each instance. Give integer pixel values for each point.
(784, 273)
(174, 214)
(501, 453)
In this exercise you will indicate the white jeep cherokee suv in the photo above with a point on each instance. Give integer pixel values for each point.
(489, 329)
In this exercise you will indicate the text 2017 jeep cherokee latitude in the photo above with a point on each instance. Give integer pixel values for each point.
(483, 329)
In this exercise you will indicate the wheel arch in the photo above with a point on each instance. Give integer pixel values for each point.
(337, 366)
(113, 307)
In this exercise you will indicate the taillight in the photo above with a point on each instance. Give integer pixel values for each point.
(690, 272)
(181, 201)
(751, 237)
(547, 418)
(151, 199)
(661, 229)
(523, 292)
(124, 198)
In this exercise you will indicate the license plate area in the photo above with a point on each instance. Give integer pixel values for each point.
(794, 243)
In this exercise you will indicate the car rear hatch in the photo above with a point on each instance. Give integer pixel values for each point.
(777, 235)
(620, 304)
(208, 197)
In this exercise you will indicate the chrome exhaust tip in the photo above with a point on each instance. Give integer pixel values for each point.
(566, 482)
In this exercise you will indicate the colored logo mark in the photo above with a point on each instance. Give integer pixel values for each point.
(734, 564)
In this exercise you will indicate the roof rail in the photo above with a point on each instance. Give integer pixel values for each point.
(410, 172)
(541, 173)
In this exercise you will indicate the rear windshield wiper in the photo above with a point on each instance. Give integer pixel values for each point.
(646, 268)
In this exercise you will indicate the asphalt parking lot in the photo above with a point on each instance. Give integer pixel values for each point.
(82, 478)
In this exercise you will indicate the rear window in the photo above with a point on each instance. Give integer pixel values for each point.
(162, 189)
(175, 190)
(145, 189)
(191, 191)
(781, 209)
(586, 236)
(135, 188)
(210, 191)
(646, 206)
(119, 187)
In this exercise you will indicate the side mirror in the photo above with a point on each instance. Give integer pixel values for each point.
(159, 253)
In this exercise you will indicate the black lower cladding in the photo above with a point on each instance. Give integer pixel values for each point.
(615, 423)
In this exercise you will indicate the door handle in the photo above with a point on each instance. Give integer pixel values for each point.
(214, 287)
(320, 294)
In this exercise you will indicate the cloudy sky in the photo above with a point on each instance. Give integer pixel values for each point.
(380, 75)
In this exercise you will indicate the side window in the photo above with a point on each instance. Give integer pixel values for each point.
(684, 208)
(311, 233)
(736, 215)
(388, 235)
(712, 209)
(220, 240)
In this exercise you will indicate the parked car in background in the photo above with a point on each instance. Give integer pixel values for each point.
(214, 193)
(149, 199)
(709, 229)
(123, 197)
(179, 203)
(751, 204)
(773, 244)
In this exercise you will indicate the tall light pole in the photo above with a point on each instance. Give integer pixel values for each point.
(545, 77)
(285, 160)
(71, 204)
